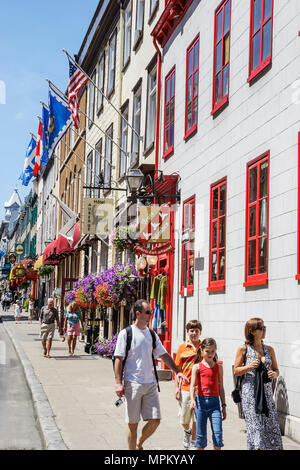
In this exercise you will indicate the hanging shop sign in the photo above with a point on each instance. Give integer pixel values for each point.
(154, 224)
(98, 216)
(143, 250)
(19, 249)
(12, 258)
(17, 272)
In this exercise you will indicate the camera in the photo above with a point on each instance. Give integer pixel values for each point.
(119, 402)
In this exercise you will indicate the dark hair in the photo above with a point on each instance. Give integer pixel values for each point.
(209, 342)
(250, 327)
(193, 324)
(138, 307)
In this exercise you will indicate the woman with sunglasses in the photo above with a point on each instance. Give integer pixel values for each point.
(257, 363)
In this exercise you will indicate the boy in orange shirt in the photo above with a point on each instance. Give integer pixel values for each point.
(188, 354)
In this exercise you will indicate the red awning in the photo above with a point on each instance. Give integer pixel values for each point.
(165, 189)
(49, 251)
(60, 247)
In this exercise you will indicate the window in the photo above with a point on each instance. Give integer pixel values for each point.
(257, 221)
(139, 24)
(124, 142)
(91, 100)
(101, 71)
(78, 192)
(98, 154)
(89, 169)
(111, 64)
(217, 236)
(261, 27)
(136, 124)
(169, 114)
(187, 246)
(127, 33)
(192, 79)
(108, 157)
(221, 55)
(151, 109)
(153, 6)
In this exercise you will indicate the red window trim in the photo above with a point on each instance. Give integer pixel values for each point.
(193, 129)
(262, 278)
(219, 284)
(297, 277)
(263, 65)
(168, 152)
(190, 288)
(225, 99)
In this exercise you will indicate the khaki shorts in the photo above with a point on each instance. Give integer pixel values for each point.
(47, 331)
(185, 412)
(141, 400)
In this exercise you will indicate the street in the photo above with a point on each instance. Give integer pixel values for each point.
(18, 427)
(81, 395)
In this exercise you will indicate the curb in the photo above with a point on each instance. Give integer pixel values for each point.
(51, 436)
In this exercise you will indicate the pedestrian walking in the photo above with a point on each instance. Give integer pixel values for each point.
(48, 317)
(140, 387)
(18, 310)
(72, 325)
(206, 397)
(30, 310)
(257, 363)
(188, 354)
(3, 301)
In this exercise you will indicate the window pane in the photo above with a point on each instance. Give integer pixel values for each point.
(226, 50)
(268, 5)
(215, 203)
(253, 184)
(168, 87)
(252, 258)
(222, 233)
(267, 40)
(190, 62)
(263, 191)
(195, 110)
(195, 90)
(196, 55)
(214, 267)
(256, 51)
(263, 207)
(172, 134)
(173, 84)
(225, 80)
(190, 89)
(252, 222)
(218, 57)
(189, 116)
(227, 17)
(192, 215)
(186, 216)
(167, 138)
(257, 15)
(215, 234)
(219, 25)
(222, 199)
(263, 243)
(191, 272)
(218, 88)
(172, 111)
(167, 114)
(222, 265)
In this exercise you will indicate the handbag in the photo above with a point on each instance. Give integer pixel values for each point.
(236, 394)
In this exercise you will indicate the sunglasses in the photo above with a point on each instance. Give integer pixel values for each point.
(148, 312)
(261, 328)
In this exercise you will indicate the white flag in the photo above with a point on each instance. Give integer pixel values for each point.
(69, 218)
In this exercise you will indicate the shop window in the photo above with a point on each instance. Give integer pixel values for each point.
(217, 237)
(169, 114)
(187, 246)
(221, 55)
(257, 221)
(261, 29)
(192, 85)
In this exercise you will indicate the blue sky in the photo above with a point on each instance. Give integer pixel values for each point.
(32, 36)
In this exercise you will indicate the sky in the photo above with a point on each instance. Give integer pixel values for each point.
(32, 36)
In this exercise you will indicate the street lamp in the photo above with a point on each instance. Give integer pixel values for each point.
(134, 180)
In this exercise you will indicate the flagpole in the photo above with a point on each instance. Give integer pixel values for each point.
(98, 127)
(104, 96)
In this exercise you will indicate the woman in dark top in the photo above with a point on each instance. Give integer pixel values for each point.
(259, 369)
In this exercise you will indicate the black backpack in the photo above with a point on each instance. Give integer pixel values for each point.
(128, 346)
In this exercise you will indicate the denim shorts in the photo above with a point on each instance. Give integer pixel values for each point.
(208, 407)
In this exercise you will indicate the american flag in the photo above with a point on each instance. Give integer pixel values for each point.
(77, 80)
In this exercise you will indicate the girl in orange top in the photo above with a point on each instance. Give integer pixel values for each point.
(209, 393)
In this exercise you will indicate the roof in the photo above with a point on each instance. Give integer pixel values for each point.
(15, 199)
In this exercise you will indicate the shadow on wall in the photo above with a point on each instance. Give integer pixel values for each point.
(281, 401)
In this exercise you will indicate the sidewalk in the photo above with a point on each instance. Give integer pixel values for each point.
(81, 394)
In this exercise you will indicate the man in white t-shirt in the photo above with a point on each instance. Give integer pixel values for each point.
(140, 387)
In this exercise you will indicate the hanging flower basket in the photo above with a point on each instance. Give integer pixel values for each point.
(45, 270)
(124, 238)
(103, 295)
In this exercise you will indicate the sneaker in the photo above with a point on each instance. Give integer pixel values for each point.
(187, 438)
(192, 445)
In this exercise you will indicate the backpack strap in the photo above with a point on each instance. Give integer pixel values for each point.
(128, 343)
(153, 360)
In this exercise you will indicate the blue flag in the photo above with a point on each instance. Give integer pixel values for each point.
(2, 253)
(60, 118)
(29, 163)
(45, 121)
